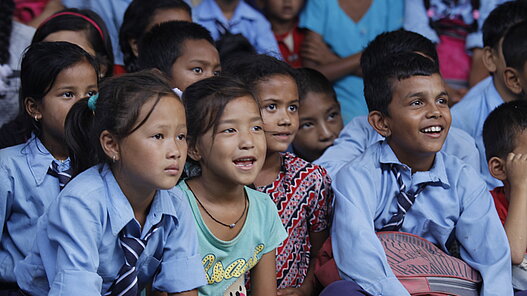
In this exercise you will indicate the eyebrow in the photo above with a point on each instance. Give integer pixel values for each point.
(256, 118)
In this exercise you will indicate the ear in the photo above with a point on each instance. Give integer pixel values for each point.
(110, 145)
(497, 168)
(489, 58)
(193, 152)
(379, 122)
(512, 80)
(133, 45)
(33, 108)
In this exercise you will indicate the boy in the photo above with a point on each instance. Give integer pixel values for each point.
(319, 114)
(182, 50)
(470, 113)
(408, 105)
(505, 138)
(358, 134)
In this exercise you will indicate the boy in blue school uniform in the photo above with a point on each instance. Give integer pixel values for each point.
(408, 105)
(470, 113)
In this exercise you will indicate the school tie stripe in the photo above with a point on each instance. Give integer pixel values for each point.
(126, 282)
(405, 200)
(64, 176)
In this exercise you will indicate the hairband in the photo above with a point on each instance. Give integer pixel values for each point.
(89, 20)
(91, 102)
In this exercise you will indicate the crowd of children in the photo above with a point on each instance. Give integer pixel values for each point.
(239, 153)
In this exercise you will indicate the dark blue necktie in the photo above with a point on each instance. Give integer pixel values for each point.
(126, 282)
(64, 176)
(405, 200)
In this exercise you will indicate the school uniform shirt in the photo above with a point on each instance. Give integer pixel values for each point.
(26, 190)
(245, 20)
(225, 262)
(457, 200)
(470, 114)
(302, 194)
(358, 135)
(77, 249)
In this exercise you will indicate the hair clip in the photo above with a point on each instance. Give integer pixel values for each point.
(91, 102)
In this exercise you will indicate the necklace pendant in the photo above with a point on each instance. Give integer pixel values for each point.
(232, 225)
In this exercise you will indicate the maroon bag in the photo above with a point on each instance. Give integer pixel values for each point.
(420, 266)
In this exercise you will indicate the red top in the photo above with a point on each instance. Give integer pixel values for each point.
(501, 203)
(118, 70)
(289, 44)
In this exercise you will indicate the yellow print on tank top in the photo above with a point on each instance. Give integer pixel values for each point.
(216, 273)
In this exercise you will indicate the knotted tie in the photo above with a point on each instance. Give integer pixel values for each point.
(126, 282)
(405, 200)
(64, 176)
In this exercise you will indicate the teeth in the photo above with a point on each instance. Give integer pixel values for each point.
(432, 129)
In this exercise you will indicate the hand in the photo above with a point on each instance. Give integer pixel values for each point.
(292, 292)
(516, 167)
(315, 49)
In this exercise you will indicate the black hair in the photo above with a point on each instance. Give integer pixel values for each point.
(163, 44)
(379, 81)
(502, 127)
(515, 46)
(117, 110)
(394, 42)
(41, 64)
(253, 69)
(310, 80)
(102, 45)
(501, 19)
(7, 7)
(233, 46)
(137, 17)
(205, 101)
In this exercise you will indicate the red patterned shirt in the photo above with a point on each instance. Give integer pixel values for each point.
(303, 195)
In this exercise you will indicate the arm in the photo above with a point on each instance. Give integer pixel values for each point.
(516, 222)
(263, 275)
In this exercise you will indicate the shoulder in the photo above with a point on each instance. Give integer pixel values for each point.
(88, 188)
(473, 99)
(296, 164)
(462, 177)
(362, 171)
(261, 201)
(12, 155)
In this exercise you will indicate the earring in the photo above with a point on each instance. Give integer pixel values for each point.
(36, 118)
(113, 158)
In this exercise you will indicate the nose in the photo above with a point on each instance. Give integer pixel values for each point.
(246, 141)
(324, 133)
(285, 118)
(175, 148)
(433, 111)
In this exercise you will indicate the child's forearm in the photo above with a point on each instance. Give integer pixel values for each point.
(516, 223)
(263, 275)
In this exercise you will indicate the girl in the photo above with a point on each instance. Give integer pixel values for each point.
(238, 228)
(301, 190)
(54, 75)
(117, 224)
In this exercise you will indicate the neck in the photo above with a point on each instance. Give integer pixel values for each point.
(228, 7)
(57, 148)
(417, 162)
(215, 190)
(280, 27)
(505, 94)
(270, 169)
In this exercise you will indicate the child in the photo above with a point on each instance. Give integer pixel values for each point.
(54, 76)
(515, 56)
(118, 225)
(409, 107)
(300, 190)
(139, 18)
(358, 134)
(505, 138)
(283, 16)
(319, 114)
(182, 50)
(238, 227)
(469, 114)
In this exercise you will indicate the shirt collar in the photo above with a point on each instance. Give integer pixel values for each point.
(437, 174)
(493, 97)
(39, 159)
(209, 10)
(120, 211)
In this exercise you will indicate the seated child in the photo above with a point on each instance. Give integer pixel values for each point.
(505, 138)
(358, 134)
(139, 18)
(301, 190)
(182, 50)
(238, 227)
(409, 106)
(319, 114)
(119, 225)
(470, 114)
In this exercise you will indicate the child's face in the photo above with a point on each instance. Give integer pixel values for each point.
(199, 60)
(284, 10)
(153, 156)
(236, 153)
(278, 97)
(76, 37)
(167, 15)
(419, 117)
(71, 84)
(320, 125)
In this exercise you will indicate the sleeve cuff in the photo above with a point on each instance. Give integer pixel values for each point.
(180, 275)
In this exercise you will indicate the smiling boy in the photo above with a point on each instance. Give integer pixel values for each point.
(408, 105)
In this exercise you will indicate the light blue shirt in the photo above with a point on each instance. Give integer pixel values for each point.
(245, 20)
(470, 114)
(26, 190)
(358, 135)
(458, 201)
(77, 251)
(347, 37)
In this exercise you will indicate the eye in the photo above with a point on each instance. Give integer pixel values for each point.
(416, 103)
(306, 125)
(197, 70)
(257, 128)
(91, 93)
(68, 94)
(292, 108)
(333, 115)
(229, 131)
(271, 107)
(216, 73)
(158, 136)
(442, 101)
(182, 137)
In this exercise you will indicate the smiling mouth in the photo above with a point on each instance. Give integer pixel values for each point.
(245, 163)
(432, 129)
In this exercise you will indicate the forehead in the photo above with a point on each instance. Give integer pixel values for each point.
(316, 102)
(199, 49)
(240, 107)
(278, 86)
(520, 146)
(81, 73)
(430, 85)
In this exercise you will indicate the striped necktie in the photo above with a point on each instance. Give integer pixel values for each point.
(64, 176)
(126, 282)
(405, 200)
